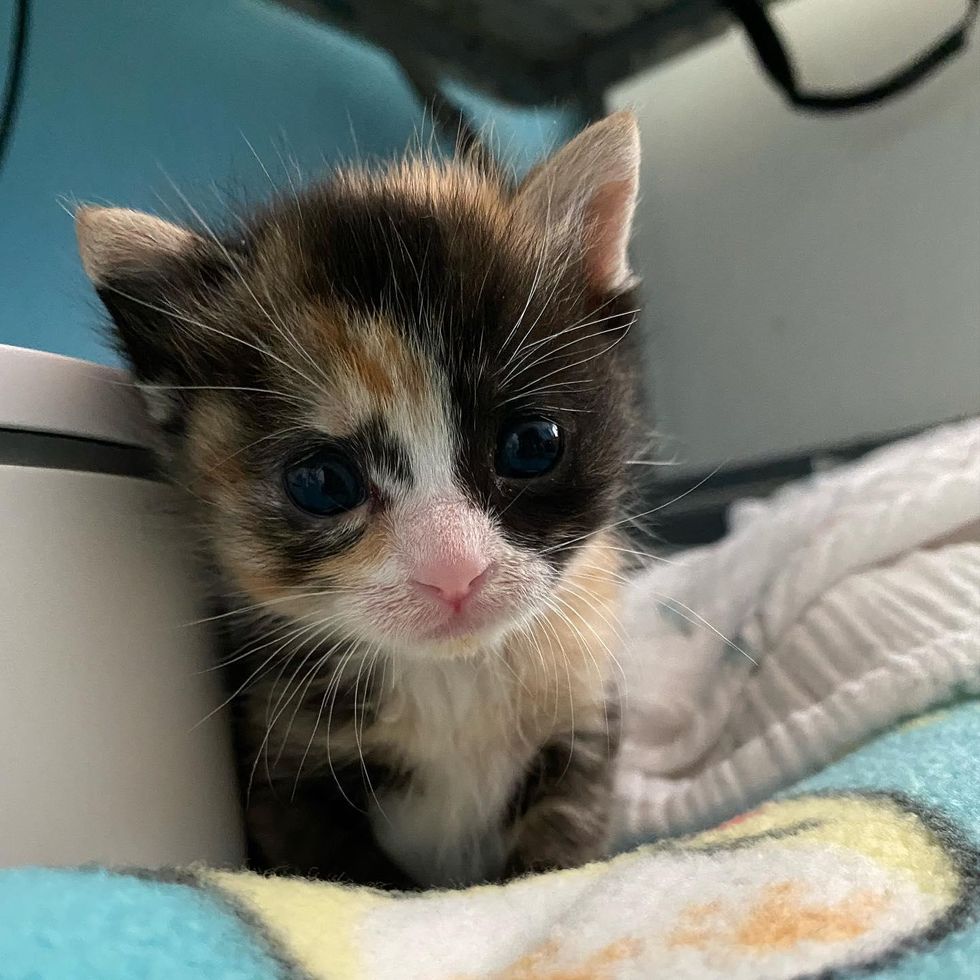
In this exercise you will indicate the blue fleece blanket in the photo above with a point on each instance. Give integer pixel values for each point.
(871, 867)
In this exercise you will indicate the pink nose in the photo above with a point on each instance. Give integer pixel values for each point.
(452, 581)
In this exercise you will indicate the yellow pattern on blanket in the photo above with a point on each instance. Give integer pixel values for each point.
(797, 886)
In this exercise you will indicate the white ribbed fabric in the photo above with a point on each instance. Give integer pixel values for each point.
(837, 607)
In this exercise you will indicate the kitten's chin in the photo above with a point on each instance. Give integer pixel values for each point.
(456, 639)
(454, 643)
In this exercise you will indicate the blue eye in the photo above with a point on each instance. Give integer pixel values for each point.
(325, 483)
(528, 448)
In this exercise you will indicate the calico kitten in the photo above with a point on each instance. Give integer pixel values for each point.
(402, 402)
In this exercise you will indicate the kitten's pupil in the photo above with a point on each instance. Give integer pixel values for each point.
(325, 483)
(528, 448)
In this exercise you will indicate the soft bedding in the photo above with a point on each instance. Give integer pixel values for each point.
(844, 607)
(839, 606)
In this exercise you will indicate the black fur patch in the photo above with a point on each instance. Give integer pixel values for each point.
(376, 443)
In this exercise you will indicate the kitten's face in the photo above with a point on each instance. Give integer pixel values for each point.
(401, 399)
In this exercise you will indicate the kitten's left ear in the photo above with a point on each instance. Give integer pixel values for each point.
(151, 275)
(119, 244)
(588, 190)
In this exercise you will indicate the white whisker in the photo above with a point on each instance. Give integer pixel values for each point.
(523, 366)
(283, 331)
(634, 517)
(699, 620)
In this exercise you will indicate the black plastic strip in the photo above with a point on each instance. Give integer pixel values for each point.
(683, 517)
(44, 450)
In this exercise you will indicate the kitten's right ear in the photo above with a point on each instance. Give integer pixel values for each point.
(148, 272)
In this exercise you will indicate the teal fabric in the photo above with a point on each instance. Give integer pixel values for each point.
(94, 925)
(934, 759)
(936, 763)
(121, 97)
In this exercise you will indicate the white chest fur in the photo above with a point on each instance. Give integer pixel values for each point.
(456, 726)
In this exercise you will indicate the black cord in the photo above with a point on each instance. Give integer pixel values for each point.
(13, 86)
(778, 63)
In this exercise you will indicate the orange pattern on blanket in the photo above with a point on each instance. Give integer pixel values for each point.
(780, 918)
(540, 963)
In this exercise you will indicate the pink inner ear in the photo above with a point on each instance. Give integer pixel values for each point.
(609, 213)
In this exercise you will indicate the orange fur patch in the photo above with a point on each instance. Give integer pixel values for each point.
(369, 364)
(570, 657)
(212, 436)
(370, 550)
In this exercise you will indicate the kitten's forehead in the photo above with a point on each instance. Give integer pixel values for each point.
(360, 366)
(382, 388)
(441, 253)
